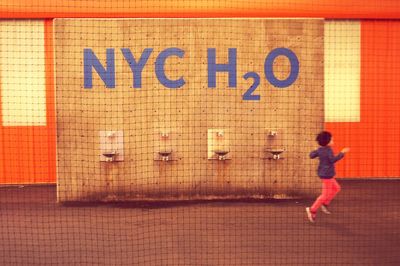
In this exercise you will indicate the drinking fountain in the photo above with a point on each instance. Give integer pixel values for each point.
(165, 155)
(221, 154)
(110, 155)
(276, 153)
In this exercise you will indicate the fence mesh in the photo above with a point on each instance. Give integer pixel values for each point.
(149, 138)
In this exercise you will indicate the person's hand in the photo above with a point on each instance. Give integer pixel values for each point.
(345, 150)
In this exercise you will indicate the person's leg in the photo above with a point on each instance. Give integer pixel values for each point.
(323, 197)
(334, 188)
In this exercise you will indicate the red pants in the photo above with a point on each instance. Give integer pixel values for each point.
(330, 188)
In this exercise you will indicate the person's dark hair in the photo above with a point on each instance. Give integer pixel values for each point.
(324, 138)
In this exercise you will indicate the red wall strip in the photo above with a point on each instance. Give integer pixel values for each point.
(50, 102)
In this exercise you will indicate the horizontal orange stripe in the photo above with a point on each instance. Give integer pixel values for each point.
(200, 8)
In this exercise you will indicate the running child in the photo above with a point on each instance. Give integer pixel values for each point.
(326, 172)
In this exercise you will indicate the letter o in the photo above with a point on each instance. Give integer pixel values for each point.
(294, 67)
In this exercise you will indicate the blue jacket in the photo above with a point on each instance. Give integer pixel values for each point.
(327, 160)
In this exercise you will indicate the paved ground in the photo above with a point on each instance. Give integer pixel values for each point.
(364, 230)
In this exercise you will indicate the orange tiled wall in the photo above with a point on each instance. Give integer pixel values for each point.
(28, 152)
(375, 139)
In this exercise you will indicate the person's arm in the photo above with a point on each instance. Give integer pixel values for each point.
(333, 158)
(314, 154)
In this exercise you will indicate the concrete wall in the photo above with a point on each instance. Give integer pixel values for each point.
(188, 113)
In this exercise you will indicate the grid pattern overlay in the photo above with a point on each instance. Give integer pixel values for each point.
(163, 137)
